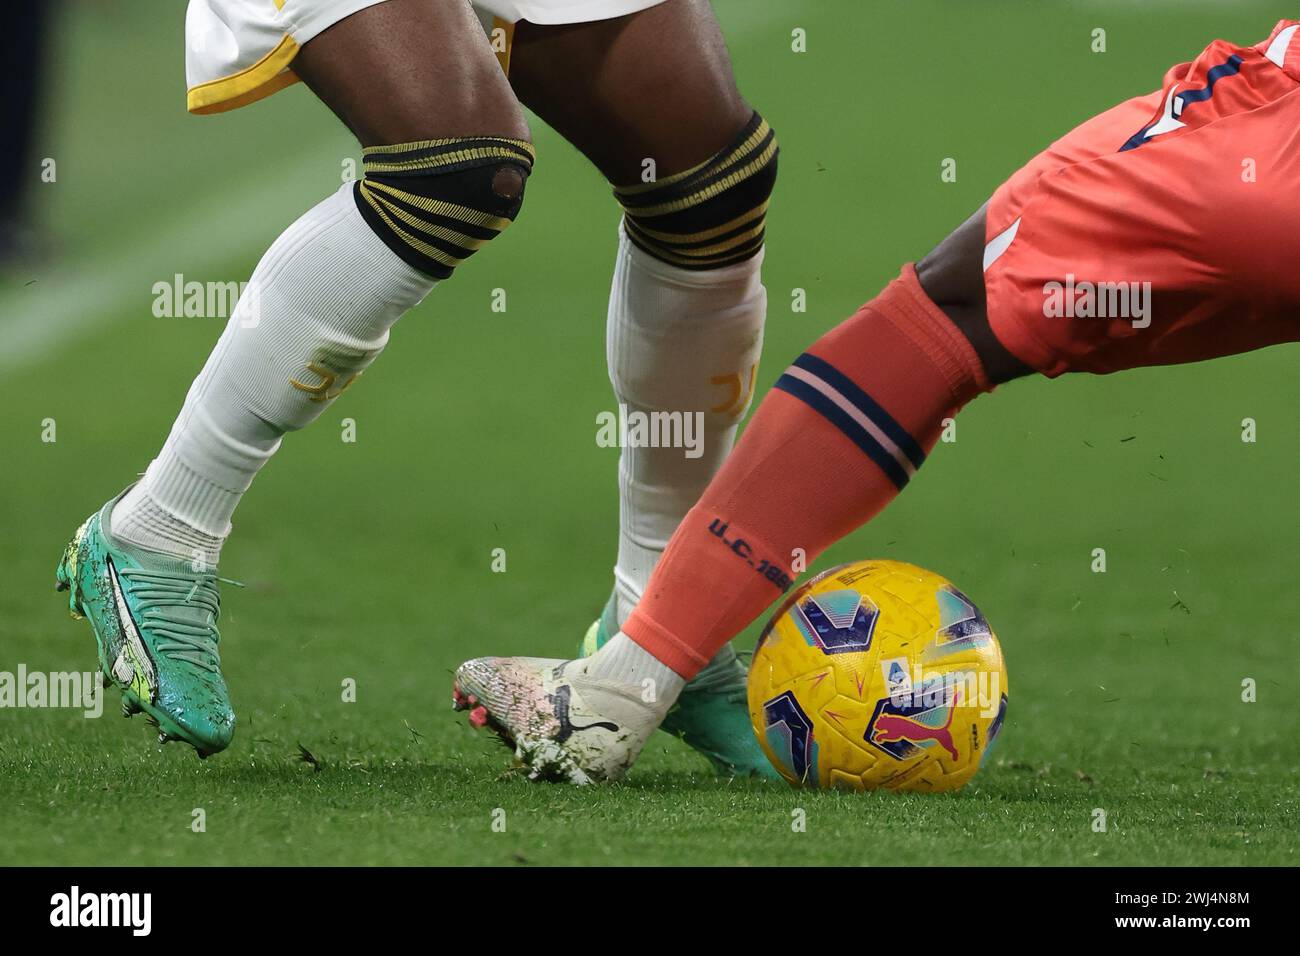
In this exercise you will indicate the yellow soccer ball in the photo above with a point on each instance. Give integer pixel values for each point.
(878, 674)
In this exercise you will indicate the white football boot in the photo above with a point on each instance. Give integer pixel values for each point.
(564, 724)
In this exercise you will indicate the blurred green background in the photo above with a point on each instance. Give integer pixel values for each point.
(476, 431)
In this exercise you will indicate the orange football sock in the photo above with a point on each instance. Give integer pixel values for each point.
(839, 436)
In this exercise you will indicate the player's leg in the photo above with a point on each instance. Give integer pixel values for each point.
(1191, 254)
(446, 158)
(325, 294)
(650, 99)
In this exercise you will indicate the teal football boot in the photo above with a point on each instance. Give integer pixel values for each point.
(712, 713)
(155, 621)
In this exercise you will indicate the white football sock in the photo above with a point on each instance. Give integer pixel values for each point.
(316, 313)
(623, 661)
(676, 340)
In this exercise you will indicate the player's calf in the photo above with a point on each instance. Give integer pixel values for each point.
(321, 304)
(685, 331)
(685, 324)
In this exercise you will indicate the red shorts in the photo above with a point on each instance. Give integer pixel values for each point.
(1165, 230)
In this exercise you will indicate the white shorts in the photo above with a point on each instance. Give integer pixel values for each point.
(238, 51)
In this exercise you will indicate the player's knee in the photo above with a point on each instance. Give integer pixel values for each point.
(436, 202)
(953, 272)
(711, 215)
(952, 276)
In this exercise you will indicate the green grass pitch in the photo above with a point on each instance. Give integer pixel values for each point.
(371, 560)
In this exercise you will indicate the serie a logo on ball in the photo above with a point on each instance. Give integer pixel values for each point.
(878, 675)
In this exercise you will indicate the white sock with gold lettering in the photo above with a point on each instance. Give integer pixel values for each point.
(315, 314)
(686, 341)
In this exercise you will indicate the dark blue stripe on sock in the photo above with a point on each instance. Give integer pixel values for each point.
(855, 432)
(865, 404)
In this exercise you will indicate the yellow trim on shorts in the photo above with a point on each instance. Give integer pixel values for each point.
(271, 74)
(268, 75)
(503, 57)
